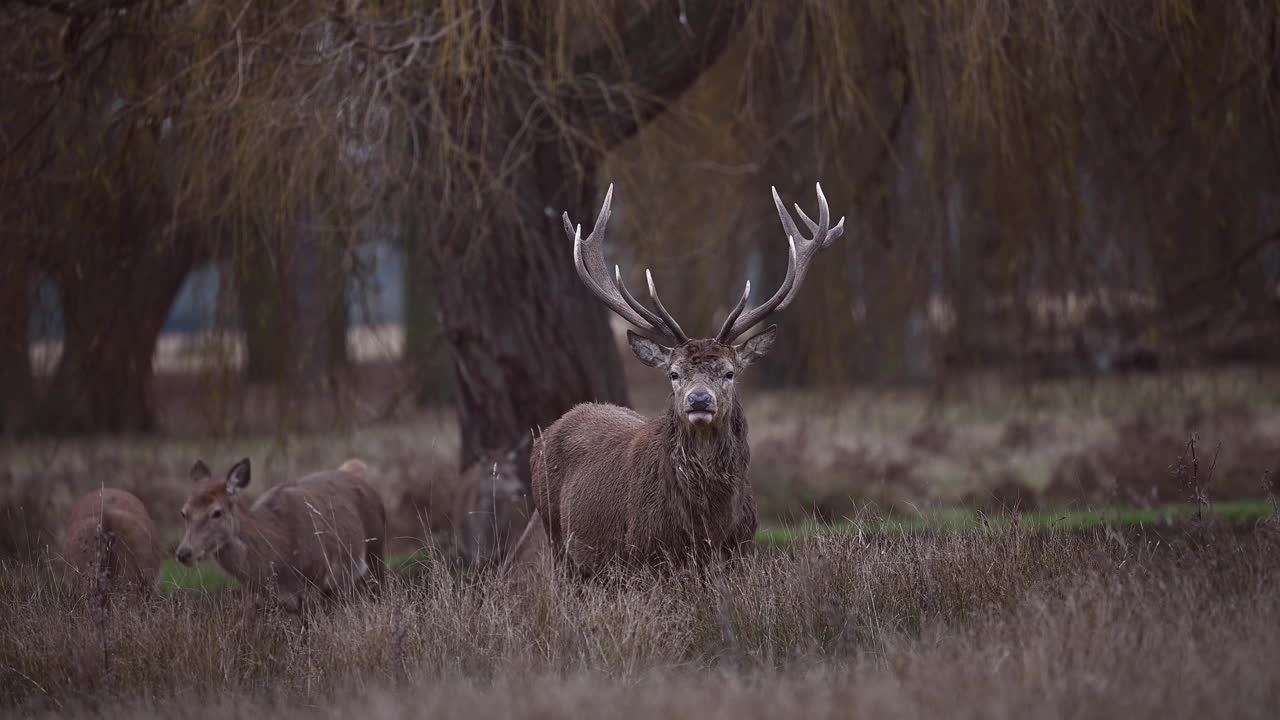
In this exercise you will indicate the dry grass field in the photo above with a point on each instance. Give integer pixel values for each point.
(1003, 616)
(998, 622)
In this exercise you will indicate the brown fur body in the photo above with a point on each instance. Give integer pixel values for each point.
(611, 485)
(133, 544)
(323, 532)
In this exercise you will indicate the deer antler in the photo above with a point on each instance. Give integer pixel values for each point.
(588, 258)
(801, 252)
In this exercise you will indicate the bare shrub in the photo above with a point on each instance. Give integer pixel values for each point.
(1197, 481)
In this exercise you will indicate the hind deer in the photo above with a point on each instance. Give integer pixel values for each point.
(491, 508)
(111, 532)
(323, 532)
(611, 486)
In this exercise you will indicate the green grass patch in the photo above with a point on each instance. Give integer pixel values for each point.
(204, 577)
(207, 577)
(411, 563)
(1238, 512)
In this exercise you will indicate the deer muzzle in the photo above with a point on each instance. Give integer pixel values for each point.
(700, 406)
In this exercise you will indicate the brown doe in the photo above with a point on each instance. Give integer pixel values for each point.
(612, 486)
(324, 532)
(111, 533)
(491, 508)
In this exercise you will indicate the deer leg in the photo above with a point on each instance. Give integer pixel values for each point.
(377, 567)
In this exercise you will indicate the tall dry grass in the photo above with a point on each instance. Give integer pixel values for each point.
(995, 622)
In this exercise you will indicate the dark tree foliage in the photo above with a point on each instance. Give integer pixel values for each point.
(1062, 186)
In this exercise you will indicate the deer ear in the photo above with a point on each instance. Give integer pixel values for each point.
(757, 346)
(200, 471)
(238, 477)
(649, 352)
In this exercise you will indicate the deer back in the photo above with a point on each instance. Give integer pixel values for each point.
(129, 538)
(322, 524)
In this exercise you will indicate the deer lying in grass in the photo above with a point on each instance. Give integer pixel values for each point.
(610, 485)
(491, 509)
(324, 532)
(111, 532)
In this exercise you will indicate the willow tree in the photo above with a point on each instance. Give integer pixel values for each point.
(994, 160)
(146, 137)
(286, 128)
(1052, 185)
(88, 206)
(520, 110)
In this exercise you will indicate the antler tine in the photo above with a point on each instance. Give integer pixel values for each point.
(801, 253)
(671, 323)
(723, 335)
(641, 310)
(824, 215)
(588, 259)
(597, 268)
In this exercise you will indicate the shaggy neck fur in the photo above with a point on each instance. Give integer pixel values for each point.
(254, 548)
(705, 468)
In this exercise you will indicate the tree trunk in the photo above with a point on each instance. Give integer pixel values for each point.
(529, 341)
(261, 315)
(316, 310)
(15, 358)
(426, 354)
(312, 347)
(115, 301)
(293, 314)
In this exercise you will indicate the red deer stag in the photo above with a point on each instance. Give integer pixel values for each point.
(612, 486)
(323, 532)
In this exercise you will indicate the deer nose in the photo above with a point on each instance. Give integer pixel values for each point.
(699, 401)
(183, 555)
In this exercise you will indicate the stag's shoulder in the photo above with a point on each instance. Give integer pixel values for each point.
(606, 410)
(587, 429)
(597, 417)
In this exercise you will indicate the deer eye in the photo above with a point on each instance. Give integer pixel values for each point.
(728, 375)
(674, 376)
(216, 514)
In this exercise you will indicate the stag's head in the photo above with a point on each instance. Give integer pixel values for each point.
(703, 372)
(210, 511)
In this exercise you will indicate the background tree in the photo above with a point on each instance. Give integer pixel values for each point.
(1051, 187)
(528, 343)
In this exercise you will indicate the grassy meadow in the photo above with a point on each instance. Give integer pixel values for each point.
(986, 551)
(993, 621)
